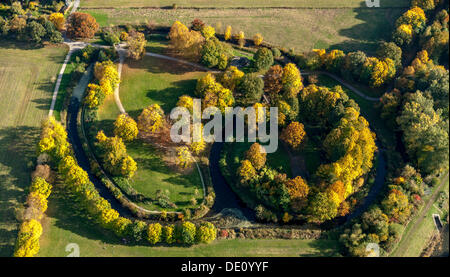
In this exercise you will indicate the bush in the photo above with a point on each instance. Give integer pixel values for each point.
(206, 233)
(185, 233)
(168, 234)
(154, 232)
(137, 229)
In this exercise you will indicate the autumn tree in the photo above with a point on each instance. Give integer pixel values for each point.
(231, 77)
(291, 80)
(396, 206)
(321, 207)
(298, 191)
(425, 134)
(272, 82)
(263, 59)
(188, 42)
(114, 154)
(256, 155)
(392, 51)
(293, 134)
(58, 20)
(154, 233)
(227, 34)
(206, 232)
(214, 53)
(424, 4)
(151, 119)
(208, 32)
(125, 127)
(136, 45)
(184, 157)
(246, 171)
(186, 101)
(82, 25)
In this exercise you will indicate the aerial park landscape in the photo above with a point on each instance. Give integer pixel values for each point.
(197, 128)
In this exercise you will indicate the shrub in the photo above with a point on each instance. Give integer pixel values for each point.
(137, 229)
(168, 234)
(185, 233)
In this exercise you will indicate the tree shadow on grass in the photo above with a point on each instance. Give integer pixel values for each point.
(323, 248)
(168, 97)
(377, 26)
(17, 152)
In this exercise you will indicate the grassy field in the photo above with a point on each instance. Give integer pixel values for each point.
(65, 224)
(240, 3)
(412, 245)
(144, 83)
(301, 29)
(26, 84)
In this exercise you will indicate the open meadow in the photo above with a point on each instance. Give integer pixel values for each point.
(27, 79)
(348, 29)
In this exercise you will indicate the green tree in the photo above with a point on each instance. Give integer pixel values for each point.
(263, 59)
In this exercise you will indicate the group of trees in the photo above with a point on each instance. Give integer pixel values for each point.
(282, 86)
(27, 244)
(35, 29)
(107, 79)
(382, 223)
(271, 188)
(214, 94)
(356, 66)
(418, 106)
(345, 141)
(411, 23)
(113, 152)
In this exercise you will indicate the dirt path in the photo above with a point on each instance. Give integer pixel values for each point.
(421, 216)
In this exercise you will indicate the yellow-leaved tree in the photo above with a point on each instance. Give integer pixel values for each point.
(125, 127)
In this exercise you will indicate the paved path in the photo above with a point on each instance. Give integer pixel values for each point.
(73, 46)
(122, 55)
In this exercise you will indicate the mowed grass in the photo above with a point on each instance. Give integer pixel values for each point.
(66, 224)
(300, 29)
(146, 82)
(26, 85)
(240, 3)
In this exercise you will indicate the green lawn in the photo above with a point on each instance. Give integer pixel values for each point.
(66, 224)
(300, 29)
(27, 79)
(147, 82)
(240, 3)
